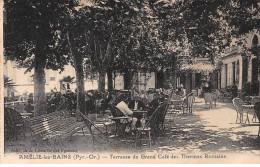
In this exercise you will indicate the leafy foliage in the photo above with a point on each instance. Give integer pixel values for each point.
(68, 79)
(8, 82)
(32, 24)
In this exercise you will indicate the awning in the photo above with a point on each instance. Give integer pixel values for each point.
(198, 67)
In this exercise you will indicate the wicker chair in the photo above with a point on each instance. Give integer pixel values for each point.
(150, 128)
(254, 101)
(237, 102)
(161, 117)
(215, 95)
(188, 103)
(257, 112)
(208, 99)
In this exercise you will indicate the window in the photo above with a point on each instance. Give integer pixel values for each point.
(237, 73)
(226, 74)
(52, 78)
(254, 69)
(233, 73)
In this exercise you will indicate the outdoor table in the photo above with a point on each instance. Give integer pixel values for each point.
(26, 115)
(118, 118)
(140, 113)
(176, 100)
(248, 106)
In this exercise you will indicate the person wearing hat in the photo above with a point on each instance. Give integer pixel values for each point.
(136, 103)
(154, 104)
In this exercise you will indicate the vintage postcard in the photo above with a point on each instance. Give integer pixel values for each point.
(130, 81)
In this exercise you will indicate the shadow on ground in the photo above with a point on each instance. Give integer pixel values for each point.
(197, 132)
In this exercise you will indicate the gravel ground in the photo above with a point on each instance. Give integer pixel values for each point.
(205, 131)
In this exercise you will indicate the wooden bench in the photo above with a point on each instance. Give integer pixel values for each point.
(54, 126)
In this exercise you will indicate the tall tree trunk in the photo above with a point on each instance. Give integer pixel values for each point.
(39, 86)
(80, 82)
(101, 81)
(109, 80)
(78, 65)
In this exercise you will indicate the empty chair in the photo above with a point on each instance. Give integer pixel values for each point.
(254, 101)
(151, 127)
(208, 99)
(257, 112)
(188, 102)
(237, 102)
(161, 117)
(191, 100)
(215, 95)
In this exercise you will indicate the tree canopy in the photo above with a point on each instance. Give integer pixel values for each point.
(123, 36)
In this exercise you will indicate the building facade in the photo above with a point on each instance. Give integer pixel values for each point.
(23, 81)
(238, 69)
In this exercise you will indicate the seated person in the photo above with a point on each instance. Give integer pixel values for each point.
(206, 88)
(89, 103)
(136, 103)
(144, 97)
(150, 96)
(158, 99)
(153, 104)
(180, 91)
(122, 106)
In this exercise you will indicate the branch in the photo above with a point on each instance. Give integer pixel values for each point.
(96, 53)
(107, 54)
(70, 47)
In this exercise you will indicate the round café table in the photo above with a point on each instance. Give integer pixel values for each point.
(26, 115)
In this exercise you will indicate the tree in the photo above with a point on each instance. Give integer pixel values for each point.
(8, 82)
(192, 28)
(75, 28)
(111, 27)
(68, 79)
(33, 39)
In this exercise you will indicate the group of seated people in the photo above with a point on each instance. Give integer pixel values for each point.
(127, 106)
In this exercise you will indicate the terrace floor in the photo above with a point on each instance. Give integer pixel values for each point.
(205, 131)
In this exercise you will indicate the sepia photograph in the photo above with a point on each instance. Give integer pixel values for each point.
(130, 81)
